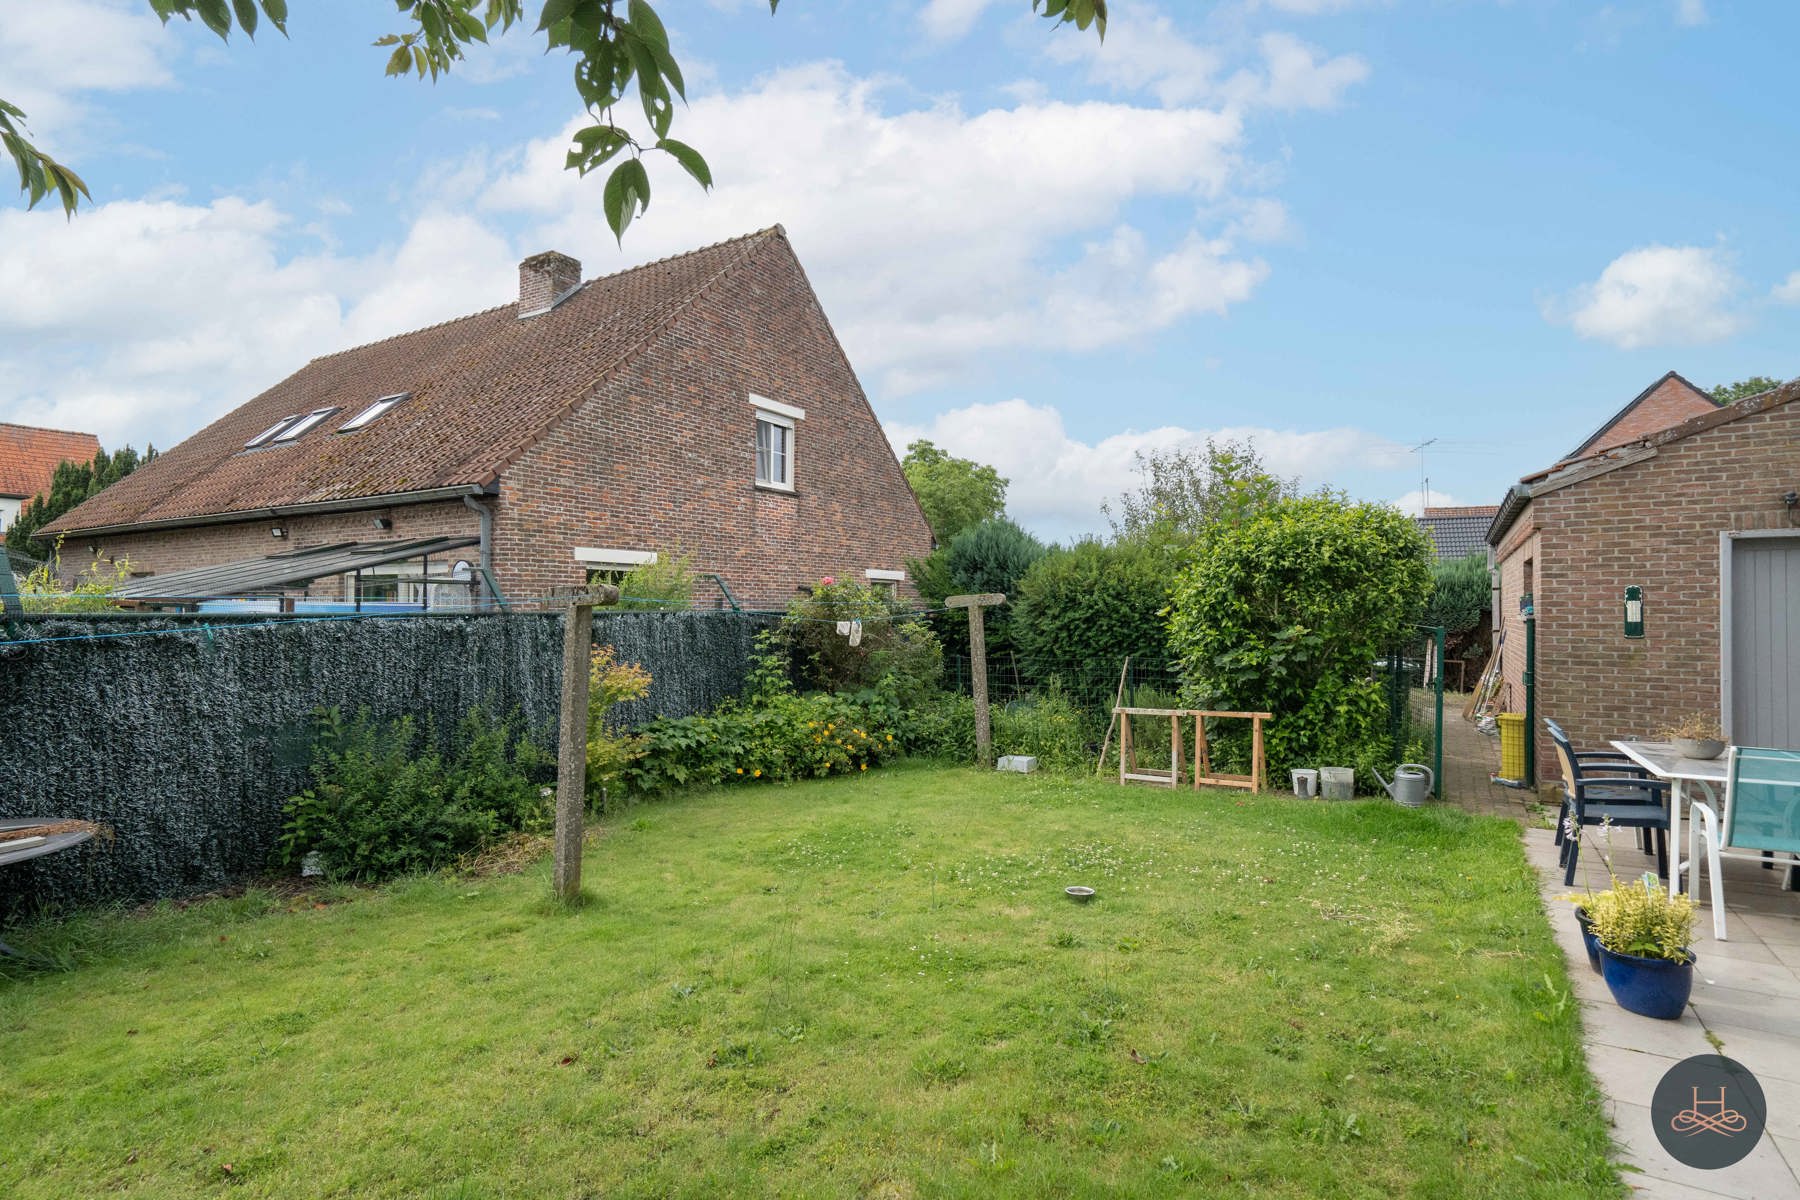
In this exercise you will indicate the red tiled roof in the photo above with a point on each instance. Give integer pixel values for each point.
(483, 388)
(29, 457)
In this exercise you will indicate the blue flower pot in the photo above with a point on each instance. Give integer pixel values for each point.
(1650, 987)
(1588, 939)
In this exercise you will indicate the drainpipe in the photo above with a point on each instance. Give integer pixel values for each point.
(486, 513)
(1530, 681)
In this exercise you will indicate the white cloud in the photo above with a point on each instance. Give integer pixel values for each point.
(142, 320)
(1690, 12)
(1412, 503)
(50, 53)
(948, 20)
(1298, 77)
(1059, 482)
(1788, 290)
(1146, 51)
(1656, 296)
(1309, 8)
(934, 235)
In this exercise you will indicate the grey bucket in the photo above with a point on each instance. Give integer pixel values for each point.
(1337, 783)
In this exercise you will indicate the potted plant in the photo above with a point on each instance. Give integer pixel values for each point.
(1697, 735)
(1643, 935)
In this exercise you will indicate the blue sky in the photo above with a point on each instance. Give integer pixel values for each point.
(1338, 228)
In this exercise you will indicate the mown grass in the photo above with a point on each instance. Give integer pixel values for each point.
(869, 986)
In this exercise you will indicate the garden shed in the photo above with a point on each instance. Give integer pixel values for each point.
(1699, 523)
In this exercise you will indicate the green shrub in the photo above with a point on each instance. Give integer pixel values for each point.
(609, 750)
(1081, 611)
(1460, 593)
(770, 740)
(1050, 726)
(385, 802)
(892, 647)
(666, 585)
(1287, 614)
(990, 557)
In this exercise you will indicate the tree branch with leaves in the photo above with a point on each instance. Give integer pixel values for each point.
(619, 46)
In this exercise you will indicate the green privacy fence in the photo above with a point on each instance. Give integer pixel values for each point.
(184, 735)
(1412, 673)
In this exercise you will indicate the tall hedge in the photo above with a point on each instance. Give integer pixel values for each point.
(1080, 612)
(1288, 613)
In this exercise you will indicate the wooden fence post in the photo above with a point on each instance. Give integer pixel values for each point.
(984, 735)
(571, 755)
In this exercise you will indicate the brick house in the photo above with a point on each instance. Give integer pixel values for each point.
(701, 403)
(1703, 517)
(28, 459)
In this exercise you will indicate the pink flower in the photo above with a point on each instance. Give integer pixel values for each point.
(827, 581)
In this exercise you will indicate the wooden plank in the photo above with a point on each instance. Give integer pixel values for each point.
(1175, 750)
(1257, 780)
(1202, 753)
(979, 600)
(1127, 759)
(1113, 720)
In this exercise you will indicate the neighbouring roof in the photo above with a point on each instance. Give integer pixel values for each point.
(29, 457)
(291, 569)
(1455, 532)
(1668, 401)
(480, 390)
(1568, 473)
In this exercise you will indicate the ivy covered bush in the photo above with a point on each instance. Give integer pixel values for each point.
(1287, 614)
(384, 801)
(1079, 612)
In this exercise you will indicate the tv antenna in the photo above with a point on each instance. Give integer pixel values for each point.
(1424, 483)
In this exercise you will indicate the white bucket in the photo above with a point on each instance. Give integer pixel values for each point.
(1337, 783)
(1306, 783)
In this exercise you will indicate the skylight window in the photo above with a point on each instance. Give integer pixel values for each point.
(271, 431)
(303, 424)
(374, 410)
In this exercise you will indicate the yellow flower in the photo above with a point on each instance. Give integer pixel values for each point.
(890, 737)
(865, 766)
(756, 774)
(740, 770)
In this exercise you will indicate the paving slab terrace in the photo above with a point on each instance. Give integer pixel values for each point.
(1746, 1001)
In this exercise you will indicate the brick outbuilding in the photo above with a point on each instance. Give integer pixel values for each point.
(1702, 516)
(699, 404)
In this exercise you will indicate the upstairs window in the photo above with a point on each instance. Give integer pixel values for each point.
(296, 428)
(374, 410)
(775, 425)
(271, 431)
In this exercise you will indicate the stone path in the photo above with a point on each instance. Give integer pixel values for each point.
(1746, 1002)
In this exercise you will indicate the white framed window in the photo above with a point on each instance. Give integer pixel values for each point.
(370, 413)
(775, 426)
(305, 423)
(603, 564)
(885, 581)
(272, 430)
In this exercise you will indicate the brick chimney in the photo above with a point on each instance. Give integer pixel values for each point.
(544, 279)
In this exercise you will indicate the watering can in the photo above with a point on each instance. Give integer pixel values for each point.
(1411, 784)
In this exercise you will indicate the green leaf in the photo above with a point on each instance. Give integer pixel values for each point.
(400, 62)
(555, 12)
(690, 160)
(647, 25)
(246, 15)
(276, 11)
(216, 15)
(627, 193)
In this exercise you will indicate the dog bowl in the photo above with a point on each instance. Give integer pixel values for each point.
(1080, 895)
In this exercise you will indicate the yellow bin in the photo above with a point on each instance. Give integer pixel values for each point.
(1512, 745)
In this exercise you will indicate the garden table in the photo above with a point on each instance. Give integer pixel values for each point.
(35, 847)
(1662, 761)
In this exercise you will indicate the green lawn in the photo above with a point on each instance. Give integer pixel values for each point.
(869, 986)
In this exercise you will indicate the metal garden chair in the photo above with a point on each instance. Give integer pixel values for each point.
(1762, 815)
(1603, 787)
